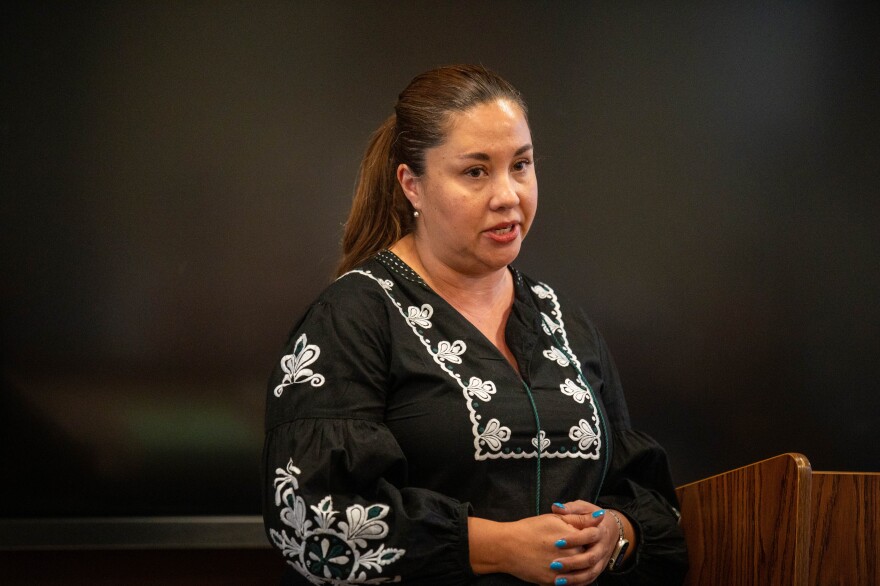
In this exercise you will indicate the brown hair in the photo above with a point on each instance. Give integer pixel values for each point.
(380, 212)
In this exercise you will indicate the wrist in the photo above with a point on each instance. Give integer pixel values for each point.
(624, 541)
(485, 544)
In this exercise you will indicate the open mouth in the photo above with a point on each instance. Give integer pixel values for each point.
(504, 230)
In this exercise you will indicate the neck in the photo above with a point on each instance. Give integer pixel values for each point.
(454, 285)
(484, 299)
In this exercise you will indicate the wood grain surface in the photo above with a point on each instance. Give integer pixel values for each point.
(750, 526)
(845, 529)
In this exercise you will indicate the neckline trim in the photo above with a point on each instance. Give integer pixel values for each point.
(394, 263)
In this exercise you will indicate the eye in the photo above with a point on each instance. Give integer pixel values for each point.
(475, 172)
(522, 165)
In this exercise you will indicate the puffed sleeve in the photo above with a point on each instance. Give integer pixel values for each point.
(336, 500)
(639, 484)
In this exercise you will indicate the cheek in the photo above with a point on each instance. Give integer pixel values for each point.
(529, 205)
(442, 200)
(534, 200)
(453, 208)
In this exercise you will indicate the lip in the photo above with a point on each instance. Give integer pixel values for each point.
(506, 237)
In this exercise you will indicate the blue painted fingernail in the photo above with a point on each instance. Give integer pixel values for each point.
(560, 505)
(598, 513)
(561, 543)
(561, 582)
(556, 566)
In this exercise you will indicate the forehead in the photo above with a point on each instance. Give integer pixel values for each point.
(499, 121)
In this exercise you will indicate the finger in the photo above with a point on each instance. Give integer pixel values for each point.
(583, 538)
(584, 577)
(583, 568)
(568, 552)
(579, 506)
(592, 552)
(583, 520)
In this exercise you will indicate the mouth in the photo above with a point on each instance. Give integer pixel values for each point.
(504, 233)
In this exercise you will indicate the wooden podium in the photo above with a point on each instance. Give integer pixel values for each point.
(777, 522)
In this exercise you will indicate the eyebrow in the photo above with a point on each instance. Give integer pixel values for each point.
(485, 157)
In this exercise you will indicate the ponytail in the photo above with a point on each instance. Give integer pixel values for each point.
(380, 213)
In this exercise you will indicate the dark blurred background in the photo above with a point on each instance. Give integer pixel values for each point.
(175, 176)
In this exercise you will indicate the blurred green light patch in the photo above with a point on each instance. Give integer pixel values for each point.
(192, 429)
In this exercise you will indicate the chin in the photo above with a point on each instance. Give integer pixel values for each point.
(502, 259)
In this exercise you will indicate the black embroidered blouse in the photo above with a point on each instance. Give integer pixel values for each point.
(391, 418)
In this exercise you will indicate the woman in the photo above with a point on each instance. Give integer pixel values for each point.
(438, 417)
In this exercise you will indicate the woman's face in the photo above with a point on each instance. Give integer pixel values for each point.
(478, 194)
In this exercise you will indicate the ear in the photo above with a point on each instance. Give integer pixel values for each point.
(409, 182)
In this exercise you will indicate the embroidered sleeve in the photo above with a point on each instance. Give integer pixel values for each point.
(336, 501)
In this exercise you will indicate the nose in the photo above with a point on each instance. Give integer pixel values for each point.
(504, 192)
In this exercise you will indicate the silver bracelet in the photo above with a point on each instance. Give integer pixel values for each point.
(622, 544)
(619, 523)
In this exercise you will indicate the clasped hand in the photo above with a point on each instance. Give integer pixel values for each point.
(569, 547)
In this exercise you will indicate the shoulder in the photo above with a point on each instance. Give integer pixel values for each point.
(356, 300)
(362, 287)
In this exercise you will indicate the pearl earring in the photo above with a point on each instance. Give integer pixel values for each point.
(416, 214)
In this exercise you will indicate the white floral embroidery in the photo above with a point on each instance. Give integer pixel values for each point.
(550, 327)
(557, 356)
(573, 390)
(361, 526)
(285, 479)
(494, 435)
(587, 438)
(544, 443)
(420, 316)
(489, 439)
(542, 291)
(386, 284)
(295, 366)
(451, 352)
(325, 551)
(480, 390)
(443, 362)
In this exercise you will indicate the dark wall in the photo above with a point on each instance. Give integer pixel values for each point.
(175, 177)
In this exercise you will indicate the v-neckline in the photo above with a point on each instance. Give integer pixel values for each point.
(410, 274)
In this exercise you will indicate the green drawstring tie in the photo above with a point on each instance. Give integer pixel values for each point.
(539, 447)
